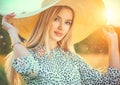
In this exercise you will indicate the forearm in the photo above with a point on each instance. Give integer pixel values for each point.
(114, 59)
(18, 49)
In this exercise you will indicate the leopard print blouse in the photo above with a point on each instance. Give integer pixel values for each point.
(59, 67)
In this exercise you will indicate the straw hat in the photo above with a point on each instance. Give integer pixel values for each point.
(89, 16)
(24, 8)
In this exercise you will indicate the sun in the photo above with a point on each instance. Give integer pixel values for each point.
(112, 12)
(110, 16)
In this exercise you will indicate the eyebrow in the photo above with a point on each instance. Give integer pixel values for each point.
(67, 19)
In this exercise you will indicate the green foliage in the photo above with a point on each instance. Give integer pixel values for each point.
(95, 43)
(4, 41)
(3, 79)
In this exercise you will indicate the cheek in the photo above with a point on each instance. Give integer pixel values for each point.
(52, 27)
(67, 30)
(51, 31)
(54, 24)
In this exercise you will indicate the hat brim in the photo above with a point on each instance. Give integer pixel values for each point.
(90, 15)
(7, 8)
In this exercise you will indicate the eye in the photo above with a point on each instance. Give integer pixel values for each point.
(68, 23)
(56, 19)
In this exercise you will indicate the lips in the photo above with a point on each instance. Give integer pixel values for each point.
(59, 34)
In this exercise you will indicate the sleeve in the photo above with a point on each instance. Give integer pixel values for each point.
(90, 76)
(26, 65)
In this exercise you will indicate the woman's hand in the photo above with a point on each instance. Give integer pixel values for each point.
(6, 25)
(110, 35)
(113, 47)
(13, 32)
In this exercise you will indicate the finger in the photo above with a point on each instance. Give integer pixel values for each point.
(11, 14)
(110, 28)
(8, 16)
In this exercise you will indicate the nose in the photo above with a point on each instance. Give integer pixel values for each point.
(60, 26)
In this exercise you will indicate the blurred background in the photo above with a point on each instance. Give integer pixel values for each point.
(93, 49)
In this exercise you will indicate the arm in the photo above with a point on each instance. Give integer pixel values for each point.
(14, 36)
(112, 75)
(24, 62)
(90, 76)
(113, 48)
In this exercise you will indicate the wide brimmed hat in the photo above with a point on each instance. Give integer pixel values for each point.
(89, 16)
(24, 8)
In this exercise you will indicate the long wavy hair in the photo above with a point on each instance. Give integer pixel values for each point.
(40, 36)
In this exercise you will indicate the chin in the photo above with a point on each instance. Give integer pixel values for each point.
(58, 39)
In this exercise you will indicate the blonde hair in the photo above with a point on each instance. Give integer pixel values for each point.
(12, 76)
(40, 36)
(40, 33)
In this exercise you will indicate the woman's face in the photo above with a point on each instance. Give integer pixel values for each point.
(61, 25)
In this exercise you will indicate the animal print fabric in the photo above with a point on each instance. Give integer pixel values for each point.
(60, 67)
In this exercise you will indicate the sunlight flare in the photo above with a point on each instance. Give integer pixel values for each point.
(112, 12)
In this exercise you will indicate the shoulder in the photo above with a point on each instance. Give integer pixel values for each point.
(74, 56)
(77, 58)
(38, 51)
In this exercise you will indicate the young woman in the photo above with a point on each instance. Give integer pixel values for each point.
(48, 58)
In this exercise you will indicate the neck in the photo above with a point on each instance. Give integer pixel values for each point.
(53, 45)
